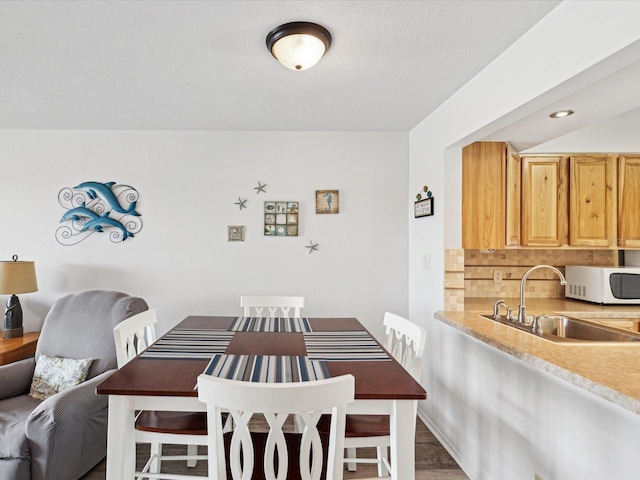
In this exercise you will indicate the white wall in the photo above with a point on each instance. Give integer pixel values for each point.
(568, 47)
(181, 261)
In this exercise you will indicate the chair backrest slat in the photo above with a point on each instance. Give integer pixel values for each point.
(405, 341)
(276, 402)
(134, 335)
(271, 306)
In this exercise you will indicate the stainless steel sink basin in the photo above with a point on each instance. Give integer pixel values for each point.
(568, 329)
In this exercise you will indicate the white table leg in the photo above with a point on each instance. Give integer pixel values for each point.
(120, 439)
(403, 433)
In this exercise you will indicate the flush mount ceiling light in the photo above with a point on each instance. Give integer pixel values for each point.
(561, 113)
(299, 45)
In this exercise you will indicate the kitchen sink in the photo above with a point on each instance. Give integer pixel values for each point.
(561, 328)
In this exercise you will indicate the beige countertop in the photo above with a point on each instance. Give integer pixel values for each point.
(611, 371)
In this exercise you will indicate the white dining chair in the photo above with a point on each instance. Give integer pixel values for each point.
(271, 306)
(405, 341)
(132, 336)
(251, 453)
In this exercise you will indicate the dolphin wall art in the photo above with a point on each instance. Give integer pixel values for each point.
(95, 207)
(78, 212)
(97, 224)
(104, 190)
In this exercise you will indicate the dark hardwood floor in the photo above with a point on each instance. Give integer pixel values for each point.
(432, 461)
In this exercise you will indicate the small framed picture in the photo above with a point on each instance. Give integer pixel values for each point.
(327, 201)
(235, 233)
(281, 219)
(423, 208)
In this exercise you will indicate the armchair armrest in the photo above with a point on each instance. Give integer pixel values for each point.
(15, 378)
(70, 424)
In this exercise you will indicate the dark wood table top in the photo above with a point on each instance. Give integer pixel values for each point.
(178, 377)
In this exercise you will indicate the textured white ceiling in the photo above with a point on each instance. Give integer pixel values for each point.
(203, 65)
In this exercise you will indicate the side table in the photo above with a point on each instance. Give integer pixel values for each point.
(14, 349)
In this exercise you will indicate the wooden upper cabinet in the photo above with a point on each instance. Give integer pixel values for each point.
(483, 195)
(544, 201)
(548, 200)
(592, 201)
(629, 201)
(512, 234)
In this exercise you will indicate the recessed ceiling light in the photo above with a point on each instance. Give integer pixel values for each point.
(561, 113)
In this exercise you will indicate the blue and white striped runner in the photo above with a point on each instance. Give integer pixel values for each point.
(267, 368)
(343, 346)
(189, 344)
(265, 324)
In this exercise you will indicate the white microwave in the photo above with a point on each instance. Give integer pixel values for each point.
(606, 285)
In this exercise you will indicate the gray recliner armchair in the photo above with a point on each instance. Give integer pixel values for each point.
(65, 435)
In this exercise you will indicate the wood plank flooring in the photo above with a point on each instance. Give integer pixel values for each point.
(432, 461)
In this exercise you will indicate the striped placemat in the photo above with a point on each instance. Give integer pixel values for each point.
(267, 368)
(265, 324)
(343, 346)
(189, 344)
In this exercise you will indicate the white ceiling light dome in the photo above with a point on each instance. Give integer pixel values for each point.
(299, 45)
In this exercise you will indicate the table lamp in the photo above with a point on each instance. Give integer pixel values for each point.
(15, 277)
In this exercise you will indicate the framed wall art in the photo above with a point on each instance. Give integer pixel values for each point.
(235, 233)
(95, 207)
(423, 208)
(281, 219)
(327, 201)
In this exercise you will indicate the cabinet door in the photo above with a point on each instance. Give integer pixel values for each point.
(592, 202)
(544, 201)
(483, 195)
(629, 201)
(512, 237)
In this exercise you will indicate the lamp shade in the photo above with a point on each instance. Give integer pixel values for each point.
(299, 45)
(17, 277)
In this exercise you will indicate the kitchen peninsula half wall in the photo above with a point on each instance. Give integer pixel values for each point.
(497, 274)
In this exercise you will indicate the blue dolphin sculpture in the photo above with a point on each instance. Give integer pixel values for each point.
(76, 213)
(97, 224)
(104, 190)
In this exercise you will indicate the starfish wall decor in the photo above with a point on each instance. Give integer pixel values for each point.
(260, 188)
(241, 203)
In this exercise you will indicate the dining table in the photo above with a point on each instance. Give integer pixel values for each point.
(164, 376)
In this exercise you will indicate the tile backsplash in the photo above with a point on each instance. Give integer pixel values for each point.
(454, 279)
(498, 274)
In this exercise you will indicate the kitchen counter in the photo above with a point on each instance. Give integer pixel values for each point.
(611, 372)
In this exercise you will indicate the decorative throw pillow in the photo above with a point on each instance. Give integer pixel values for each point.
(55, 374)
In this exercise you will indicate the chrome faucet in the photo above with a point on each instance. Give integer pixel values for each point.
(536, 325)
(522, 311)
(496, 310)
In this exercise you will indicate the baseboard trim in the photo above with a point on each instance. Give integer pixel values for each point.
(444, 441)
